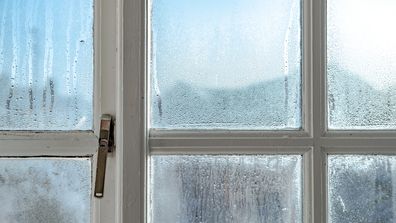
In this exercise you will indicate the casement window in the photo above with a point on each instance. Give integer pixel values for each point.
(58, 72)
(261, 111)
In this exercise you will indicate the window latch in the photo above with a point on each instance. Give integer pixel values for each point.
(106, 145)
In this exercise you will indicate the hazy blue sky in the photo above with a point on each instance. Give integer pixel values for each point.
(235, 43)
(225, 43)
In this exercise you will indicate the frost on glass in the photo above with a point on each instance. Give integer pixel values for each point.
(42, 190)
(361, 57)
(228, 189)
(225, 64)
(46, 64)
(362, 189)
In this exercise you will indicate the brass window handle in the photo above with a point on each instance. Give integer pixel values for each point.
(106, 145)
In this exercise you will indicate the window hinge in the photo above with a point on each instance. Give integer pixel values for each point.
(106, 145)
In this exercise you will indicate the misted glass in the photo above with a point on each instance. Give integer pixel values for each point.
(361, 188)
(226, 188)
(225, 64)
(38, 190)
(46, 64)
(361, 64)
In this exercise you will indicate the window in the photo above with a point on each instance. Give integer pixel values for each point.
(40, 91)
(226, 188)
(54, 58)
(206, 68)
(361, 51)
(334, 138)
(313, 151)
(361, 97)
(210, 61)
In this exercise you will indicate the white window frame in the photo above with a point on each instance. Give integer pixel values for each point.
(314, 141)
(107, 60)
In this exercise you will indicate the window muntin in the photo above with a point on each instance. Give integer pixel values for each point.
(46, 65)
(361, 64)
(225, 64)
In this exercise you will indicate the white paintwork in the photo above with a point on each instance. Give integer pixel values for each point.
(131, 127)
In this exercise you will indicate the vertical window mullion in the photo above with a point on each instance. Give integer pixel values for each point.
(318, 91)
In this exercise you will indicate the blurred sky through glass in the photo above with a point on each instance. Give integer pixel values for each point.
(224, 43)
(361, 64)
(46, 64)
(362, 39)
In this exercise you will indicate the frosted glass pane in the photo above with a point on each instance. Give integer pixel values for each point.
(226, 64)
(42, 190)
(227, 189)
(46, 64)
(362, 188)
(361, 56)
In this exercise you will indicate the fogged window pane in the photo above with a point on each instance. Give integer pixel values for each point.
(45, 190)
(361, 64)
(362, 189)
(226, 64)
(229, 189)
(46, 64)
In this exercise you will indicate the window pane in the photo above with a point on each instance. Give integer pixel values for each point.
(46, 64)
(226, 189)
(226, 64)
(361, 57)
(362, 188)
(41, 190)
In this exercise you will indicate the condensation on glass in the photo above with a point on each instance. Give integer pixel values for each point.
(225, 64)
(37, 190)
(229, 189)
(46, 64)
(361, 188)
(361, 64)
